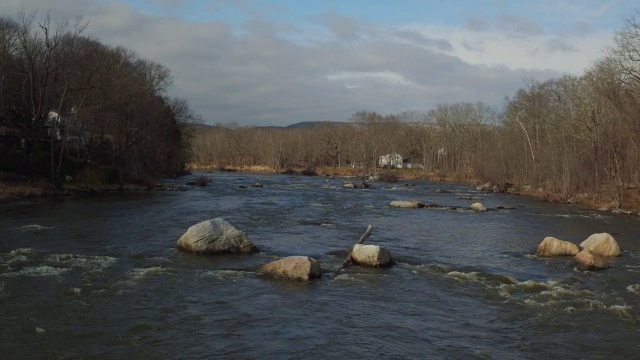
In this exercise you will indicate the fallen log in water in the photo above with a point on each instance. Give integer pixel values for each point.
(362, 239)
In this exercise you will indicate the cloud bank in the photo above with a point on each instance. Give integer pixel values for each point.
(251, 66)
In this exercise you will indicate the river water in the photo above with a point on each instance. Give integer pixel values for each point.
(100, 277)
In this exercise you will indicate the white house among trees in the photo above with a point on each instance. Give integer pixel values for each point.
(392, 160)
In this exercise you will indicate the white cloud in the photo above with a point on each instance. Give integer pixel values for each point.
(363, 77)
(269, 72)
(571, 53)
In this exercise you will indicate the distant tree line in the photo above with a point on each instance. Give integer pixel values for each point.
(70, 104)
(569, 135)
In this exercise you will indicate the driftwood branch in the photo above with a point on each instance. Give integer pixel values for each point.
(362, 239)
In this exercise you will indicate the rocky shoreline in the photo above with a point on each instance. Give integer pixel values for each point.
(22, 189)
(11, 192)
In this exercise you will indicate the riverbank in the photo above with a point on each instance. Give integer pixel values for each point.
(15, 187)
(606, 201)
(14, 192)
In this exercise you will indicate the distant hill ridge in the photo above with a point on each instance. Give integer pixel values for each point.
(312, 124)
(299, 125)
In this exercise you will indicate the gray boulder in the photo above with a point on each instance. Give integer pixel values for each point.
(587, 260)
(602, 244)
(477, 207)
(371, 255)
(551, 246)
(348, 185)
(215, 236)
(407, 204)
(292, 268)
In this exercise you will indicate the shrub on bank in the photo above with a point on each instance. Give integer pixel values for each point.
(94, 175)
(389, 176)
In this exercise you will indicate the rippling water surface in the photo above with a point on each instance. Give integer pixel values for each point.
(100, 277)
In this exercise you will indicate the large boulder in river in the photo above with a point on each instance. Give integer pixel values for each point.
(477, 207)
(348, 185)
(407, 204)
(602, 244)
(371, 255)
(551, 246)
(587, 260)
(293, 268)
(215, 236)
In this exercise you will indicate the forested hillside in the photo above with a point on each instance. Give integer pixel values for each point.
(570, 135)
(73, 107)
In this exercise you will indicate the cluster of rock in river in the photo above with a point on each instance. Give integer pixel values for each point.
(217, 236)
(589, 255)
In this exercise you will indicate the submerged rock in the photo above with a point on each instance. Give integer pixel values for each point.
(293, 268)
(469, 197)
(587, 260)
(441, 191)
(215, 236)
(551, 246)
(348, 185)
(502, 207)
(371, 255)
(602, 244)
(477, 207)
(407, 204)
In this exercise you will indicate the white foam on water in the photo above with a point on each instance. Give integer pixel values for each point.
(35, 271)
(573, 302)
(17, 259)
(224, 274)
(634, 288)
(95, 263)
(517, 289)
(633, 268)
(141, 273)
(488, 280)
(424, 269)
(463, 275)
(348, 277)
(21, 251)
(622, 311)
(33, 227)
(15, 256)
(360, 278)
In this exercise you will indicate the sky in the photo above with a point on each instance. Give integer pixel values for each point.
(279, 62)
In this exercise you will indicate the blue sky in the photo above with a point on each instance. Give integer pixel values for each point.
(551, 15)
(385, 12)
(255, 62)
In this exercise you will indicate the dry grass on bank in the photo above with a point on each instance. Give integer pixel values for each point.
(13, 192)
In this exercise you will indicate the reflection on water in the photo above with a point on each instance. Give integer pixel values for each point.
(100, 277)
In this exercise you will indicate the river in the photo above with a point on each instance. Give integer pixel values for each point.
(100, 277)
